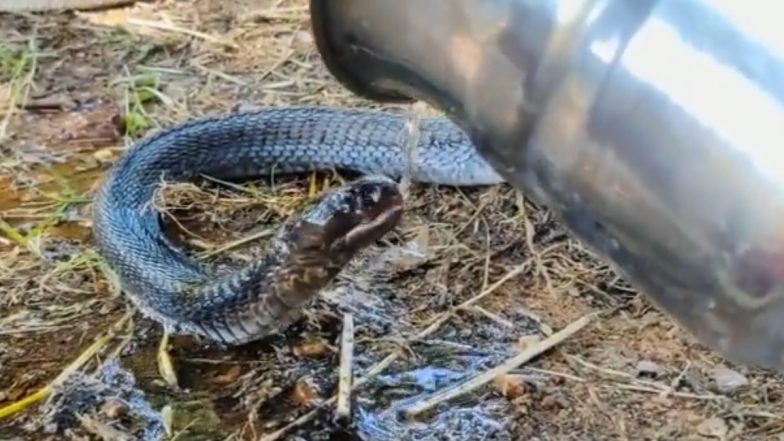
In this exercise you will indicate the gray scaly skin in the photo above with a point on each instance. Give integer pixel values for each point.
(310, 249)
(58, 5)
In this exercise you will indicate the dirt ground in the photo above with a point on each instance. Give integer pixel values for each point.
(472, 276)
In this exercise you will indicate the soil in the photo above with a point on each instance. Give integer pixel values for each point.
(77, 89)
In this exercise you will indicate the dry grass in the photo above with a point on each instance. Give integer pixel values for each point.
(470, 279)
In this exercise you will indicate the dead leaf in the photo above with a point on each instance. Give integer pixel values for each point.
(312, 348)
(510, 386)
(123, 18)
(229, 376)
(305, 393)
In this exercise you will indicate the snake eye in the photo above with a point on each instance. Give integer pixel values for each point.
(370, 195)
(372, 191)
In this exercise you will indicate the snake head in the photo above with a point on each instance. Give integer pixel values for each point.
(353, 216)
(315, 246)
(369, 208)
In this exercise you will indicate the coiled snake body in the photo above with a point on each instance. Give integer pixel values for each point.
(310, 248)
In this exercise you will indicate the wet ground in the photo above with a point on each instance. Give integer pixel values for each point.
(470, 279)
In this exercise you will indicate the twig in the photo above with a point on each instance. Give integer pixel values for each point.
(438, 321)
(641, 385)
(494, 317)
(654, 390)
(512, 363)
(477, 211)
(557, 374)
(492, 288)
(235, 243)
(529, 240)
(219, 74)
(24, 89)
(675, 381)
(274, 14)
(343, 411)
(280, 62)
(165, 364)
(164, 26)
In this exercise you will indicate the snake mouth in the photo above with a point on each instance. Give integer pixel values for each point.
(382, 208)
(375, 227)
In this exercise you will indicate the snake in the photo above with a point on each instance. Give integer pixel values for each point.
(59, 5)
(246, 302)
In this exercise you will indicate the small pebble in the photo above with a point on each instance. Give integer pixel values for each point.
(114, 409)
(648, 368)
(105, 155)
(554, 401)
(303, 39)
(728, 380)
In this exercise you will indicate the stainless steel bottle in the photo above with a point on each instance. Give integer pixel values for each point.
(654, 129)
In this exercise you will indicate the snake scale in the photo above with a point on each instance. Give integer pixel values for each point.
(263, 297)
